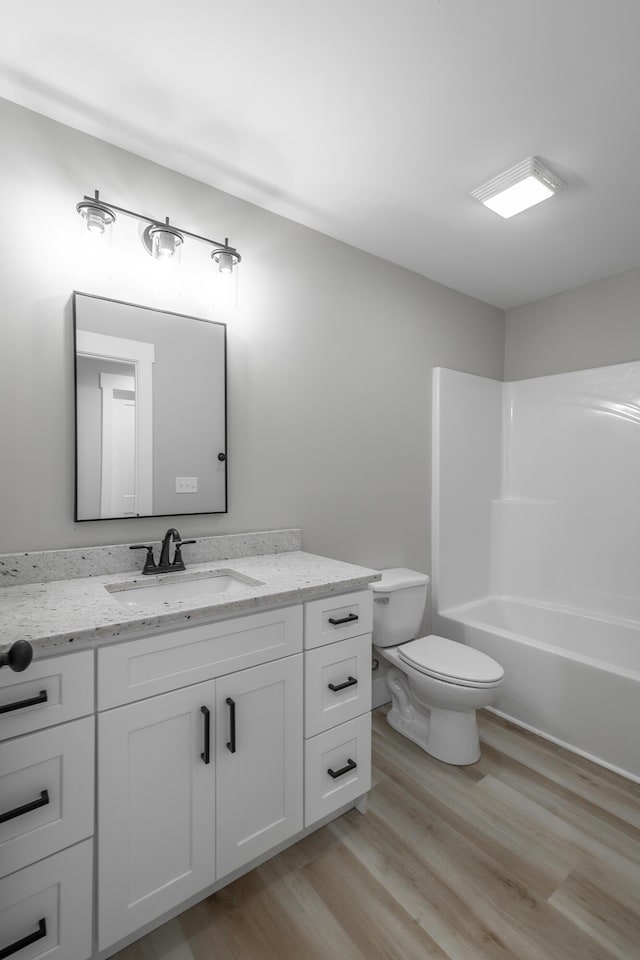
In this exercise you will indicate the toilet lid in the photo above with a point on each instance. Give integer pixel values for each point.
(450, 661)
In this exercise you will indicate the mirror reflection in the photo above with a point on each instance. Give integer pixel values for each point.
(150, 411)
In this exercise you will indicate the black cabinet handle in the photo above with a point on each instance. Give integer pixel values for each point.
(26, 807)
(351, 682)
(205, 756)
(21, 944)
(18, 656)
(231, 745)
(351, 765)
(350, 619)
(19, 704)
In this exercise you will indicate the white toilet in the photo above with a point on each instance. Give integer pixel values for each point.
(436, 684)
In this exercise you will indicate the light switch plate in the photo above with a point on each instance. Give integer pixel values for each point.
(186, 484)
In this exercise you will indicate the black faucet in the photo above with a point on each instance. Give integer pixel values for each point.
(164, 562)
(165, 565)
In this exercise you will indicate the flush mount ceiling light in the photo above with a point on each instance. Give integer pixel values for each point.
(161, 240)
(519, 188)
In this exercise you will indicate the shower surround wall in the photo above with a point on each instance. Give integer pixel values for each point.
(536, 550)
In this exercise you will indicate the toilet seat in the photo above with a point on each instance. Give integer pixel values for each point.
(451, 662)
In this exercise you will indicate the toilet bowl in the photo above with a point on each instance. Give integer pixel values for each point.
(436, 684)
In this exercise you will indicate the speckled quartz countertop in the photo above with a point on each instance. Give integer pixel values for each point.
(64, 615)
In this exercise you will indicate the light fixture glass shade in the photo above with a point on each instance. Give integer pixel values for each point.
(225, 291)
(225, 262)
(226, 257)
(165, 242)
(97, 216)
(225, 278)
(519, 188)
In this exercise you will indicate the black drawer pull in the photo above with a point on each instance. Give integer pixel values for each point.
(351, 682)
(351, 765)
(26, 807)
(205, 756)
(19, 704)
(231, 745)
(350, 619)
(40, 933)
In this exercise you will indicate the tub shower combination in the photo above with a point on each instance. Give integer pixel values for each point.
(536, 548)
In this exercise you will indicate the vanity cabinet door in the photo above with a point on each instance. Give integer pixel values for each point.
(155, 807)
(259, 761)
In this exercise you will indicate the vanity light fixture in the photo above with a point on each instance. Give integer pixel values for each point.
(519, 188)
(161, 240)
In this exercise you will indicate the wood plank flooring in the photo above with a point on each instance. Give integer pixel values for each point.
(530, 854)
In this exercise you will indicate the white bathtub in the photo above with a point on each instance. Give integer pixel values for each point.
(572, 677)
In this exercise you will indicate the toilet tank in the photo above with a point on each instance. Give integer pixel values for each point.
(399, 601)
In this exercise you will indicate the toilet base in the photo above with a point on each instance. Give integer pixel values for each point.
(438, 739)
(448, 735)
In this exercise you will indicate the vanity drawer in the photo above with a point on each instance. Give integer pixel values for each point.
(337, 618)
(49, 902)
(337, 666)
(143, 668)
(46, 793)
(346, 751)
(47, 692)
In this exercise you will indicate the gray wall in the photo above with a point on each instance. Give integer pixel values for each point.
(590, 326)
(330, 356)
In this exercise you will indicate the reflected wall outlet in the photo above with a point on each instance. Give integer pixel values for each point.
(186, 484)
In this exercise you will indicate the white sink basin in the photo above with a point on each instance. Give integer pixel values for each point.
(171, 587)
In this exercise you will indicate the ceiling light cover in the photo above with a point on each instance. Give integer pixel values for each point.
(519, 188)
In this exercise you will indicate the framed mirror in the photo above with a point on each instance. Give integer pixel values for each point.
(151, 417)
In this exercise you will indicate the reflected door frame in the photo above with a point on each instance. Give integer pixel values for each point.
(111, 383)
(142, 355)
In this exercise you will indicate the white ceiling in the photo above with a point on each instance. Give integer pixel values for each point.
(370, 120)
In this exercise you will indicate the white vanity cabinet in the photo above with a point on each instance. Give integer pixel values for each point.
(46, 809)
(195, 782)
(337, 748)
(217, 744)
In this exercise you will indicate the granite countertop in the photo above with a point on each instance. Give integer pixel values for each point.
(64, 615)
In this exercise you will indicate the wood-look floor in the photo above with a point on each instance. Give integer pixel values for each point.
(530, 854)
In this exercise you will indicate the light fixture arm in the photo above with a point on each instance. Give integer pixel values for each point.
(104, 204)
